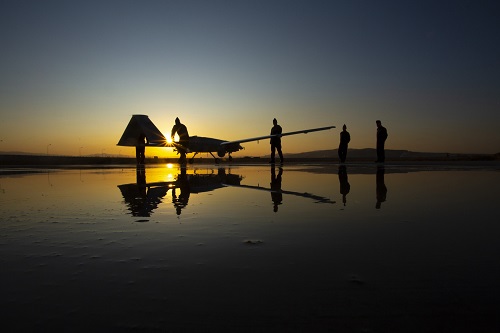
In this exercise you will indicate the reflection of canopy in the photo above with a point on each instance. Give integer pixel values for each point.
(141, 124)
(142, 199)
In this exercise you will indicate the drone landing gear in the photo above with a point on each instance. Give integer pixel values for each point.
(215, 158)
(191, 160)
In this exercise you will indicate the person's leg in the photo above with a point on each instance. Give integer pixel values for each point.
(273, 152)
(182, 158)
(138, 155)
(380, 152)
(342, 154)
(280, 153)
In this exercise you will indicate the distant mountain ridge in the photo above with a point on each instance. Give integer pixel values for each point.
(16, 153)
(23, 153)
(370, 153)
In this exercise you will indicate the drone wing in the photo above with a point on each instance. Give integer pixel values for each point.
(278, 135)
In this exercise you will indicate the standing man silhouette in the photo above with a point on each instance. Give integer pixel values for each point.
(182, 131)
(345, 138)
(276, 141)
(381, 137)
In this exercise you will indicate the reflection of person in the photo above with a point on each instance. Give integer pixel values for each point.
(140, 148)
(276, 194)
(140, 174)
(380, 187)
(345, 137)
(345, 187)
(140, 201)
(181, 201)
(276, 141)
(141, 190)
(182, 132)
(381, 137)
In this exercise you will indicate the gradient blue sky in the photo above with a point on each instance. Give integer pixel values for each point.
(73, 72)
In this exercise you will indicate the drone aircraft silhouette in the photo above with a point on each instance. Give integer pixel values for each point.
(142, 126)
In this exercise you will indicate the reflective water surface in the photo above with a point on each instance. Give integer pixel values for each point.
(251, 248)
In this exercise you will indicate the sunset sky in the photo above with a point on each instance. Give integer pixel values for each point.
(72, 73)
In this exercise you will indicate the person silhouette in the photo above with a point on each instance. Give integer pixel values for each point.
(140, 148)
(182, 131)
(345, 187)
(381, 137)
(381, 189)
(276, 141)
(345, 138)
(276, 194)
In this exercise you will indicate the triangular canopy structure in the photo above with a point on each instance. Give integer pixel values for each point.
(140, 124)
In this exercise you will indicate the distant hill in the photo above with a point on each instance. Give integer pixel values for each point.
(23, 153)
(370, 153)
(16, 153)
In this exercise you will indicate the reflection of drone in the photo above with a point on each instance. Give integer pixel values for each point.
(142, 198)
(199, 183)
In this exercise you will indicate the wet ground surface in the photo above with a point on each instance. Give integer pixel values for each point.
(360, 248)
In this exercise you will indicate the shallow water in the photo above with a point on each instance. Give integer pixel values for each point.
(251, 248)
